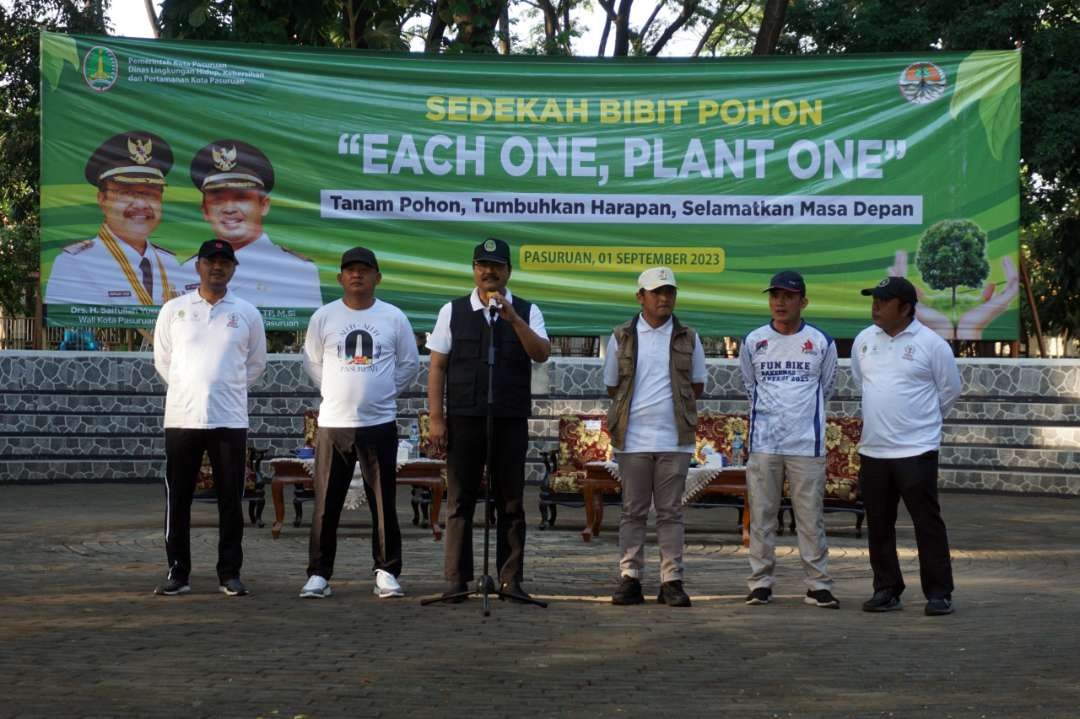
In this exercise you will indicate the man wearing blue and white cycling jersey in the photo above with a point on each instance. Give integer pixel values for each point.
(789, 369)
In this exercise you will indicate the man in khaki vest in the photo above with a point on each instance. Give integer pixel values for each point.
(654, 371)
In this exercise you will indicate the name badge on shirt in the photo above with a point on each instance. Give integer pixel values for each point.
(119, 293)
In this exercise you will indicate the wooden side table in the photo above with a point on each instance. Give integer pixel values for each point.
(598, 482)
(424, 473)
(287, 472)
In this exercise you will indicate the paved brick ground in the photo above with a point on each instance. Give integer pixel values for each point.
(81, 635)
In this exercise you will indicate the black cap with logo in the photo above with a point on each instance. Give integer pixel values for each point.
(787, 280)
(894, 287)
(359, 254)
(492, 250)
(216, 248)
(232, 164)
(133, 157)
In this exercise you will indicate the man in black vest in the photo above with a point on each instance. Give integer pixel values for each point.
(459, 371)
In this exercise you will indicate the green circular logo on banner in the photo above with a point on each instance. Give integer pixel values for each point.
(100, 68)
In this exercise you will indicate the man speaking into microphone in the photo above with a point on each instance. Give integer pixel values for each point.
(464, 330)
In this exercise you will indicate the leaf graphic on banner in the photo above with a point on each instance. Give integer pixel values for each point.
(997, 121)
(986, 78)
(55, 51)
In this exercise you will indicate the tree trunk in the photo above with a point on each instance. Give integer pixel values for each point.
(609, 17)
(155, 25)
(772, 22)
(622, 29)
(476, 27)
(551, 26)
(504, 29)
(437, 28)
(688, 10)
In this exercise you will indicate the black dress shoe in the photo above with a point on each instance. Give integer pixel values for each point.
(673, 594)
(515, 591)
(629, 592)
(456, 588)
(883, 601)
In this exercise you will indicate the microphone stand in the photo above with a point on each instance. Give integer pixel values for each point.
(486, 585)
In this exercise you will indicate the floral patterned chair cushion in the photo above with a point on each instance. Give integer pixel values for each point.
(842, 458)
(204, 485)
(426, 448)
(719, 430)
(582, 438)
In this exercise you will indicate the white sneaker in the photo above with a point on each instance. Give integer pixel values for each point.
(316, 588)
(386, 585)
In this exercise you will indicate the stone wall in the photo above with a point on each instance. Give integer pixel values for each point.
(97, 417)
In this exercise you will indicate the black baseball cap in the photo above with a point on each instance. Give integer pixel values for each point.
(894, 287)
(492, 250)
(217, 248)
(359, 254)
(787, 280)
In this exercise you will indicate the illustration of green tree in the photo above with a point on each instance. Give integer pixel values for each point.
(952, 253)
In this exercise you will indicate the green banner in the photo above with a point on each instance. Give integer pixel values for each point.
(846, 169)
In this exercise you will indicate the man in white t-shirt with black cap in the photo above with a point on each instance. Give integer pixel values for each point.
(909, 381)
(209, 347)
(362, 354)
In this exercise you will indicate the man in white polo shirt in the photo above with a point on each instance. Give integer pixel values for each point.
(209, 347)
(909, 381)
(362, 353)
(788, 368)
(655, 371)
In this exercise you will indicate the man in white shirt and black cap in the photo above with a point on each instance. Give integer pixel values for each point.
(120, 265)
(909, 381)
(464, 330)
(655, 372)
(235, 179)
(209, 347)
(361, 352)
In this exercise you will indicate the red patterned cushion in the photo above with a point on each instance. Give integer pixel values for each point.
(583, 438)
(719, 430)
(427, 449)
(205, 481)
(842, 458)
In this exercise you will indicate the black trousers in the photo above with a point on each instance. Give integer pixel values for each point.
(914, 479)
(466, 453)
(338, 451)
(184, 449)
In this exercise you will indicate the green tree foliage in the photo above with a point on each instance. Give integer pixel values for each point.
(363, 24)
(1053, 247)
(20, 103)
(952, 253)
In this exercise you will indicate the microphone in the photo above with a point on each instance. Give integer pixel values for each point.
(493, 307)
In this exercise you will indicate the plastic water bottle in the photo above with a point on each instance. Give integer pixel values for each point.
(414, 439)
(737, 450)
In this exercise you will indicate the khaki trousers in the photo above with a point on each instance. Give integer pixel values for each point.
(652, 479)
(765, 474)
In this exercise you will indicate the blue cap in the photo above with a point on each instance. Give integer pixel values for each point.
(787, 280)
